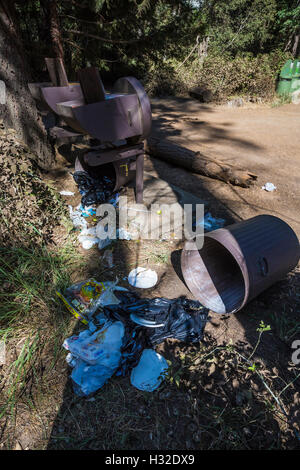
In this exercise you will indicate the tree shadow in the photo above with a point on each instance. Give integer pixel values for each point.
(170, 111)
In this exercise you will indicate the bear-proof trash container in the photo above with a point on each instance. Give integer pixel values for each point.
(238, 262)
(289, 78)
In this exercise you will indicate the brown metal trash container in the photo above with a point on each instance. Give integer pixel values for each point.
(238, 262)
(121, 171)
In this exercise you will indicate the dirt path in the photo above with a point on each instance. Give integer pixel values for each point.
(264, 140)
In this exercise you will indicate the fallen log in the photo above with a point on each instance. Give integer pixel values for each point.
(196, 162)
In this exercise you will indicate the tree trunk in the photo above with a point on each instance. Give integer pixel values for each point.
(55, 29)
(19, 110)
(198, 163)
(296, 45)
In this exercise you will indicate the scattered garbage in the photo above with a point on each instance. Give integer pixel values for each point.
(67, 193)
(87, 211)
(123, 234)
(97, 346)
(269, 187)
(84, 298)
(180, 318)
(88, 238)
(108, 297)
(95, 357)
(142, 278)
(121, 332)
(150, 371)
(210, 223)
(79, 298)
(94, 190)
(76, 217)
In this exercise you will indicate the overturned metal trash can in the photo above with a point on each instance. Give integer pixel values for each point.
(238, 262)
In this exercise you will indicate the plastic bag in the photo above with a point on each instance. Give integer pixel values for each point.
(150, 371)
(180, 318)
(80, 298)
(94, 190)
(210, 223)
(88, 211)
(269, 187)
(88, 379)
(142, 278)
(84, 298)
(102, 346)
(181, 323)
(88, 238)
(76, 217)
(95, 357)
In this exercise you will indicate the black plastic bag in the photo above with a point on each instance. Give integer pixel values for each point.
(180, 318)
(185, 320)
(93, 190)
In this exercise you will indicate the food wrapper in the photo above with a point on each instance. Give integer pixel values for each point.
(81, 298)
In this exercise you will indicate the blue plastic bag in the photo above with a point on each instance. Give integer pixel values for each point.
(150, 371)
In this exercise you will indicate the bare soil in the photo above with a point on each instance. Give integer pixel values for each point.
(262, 139)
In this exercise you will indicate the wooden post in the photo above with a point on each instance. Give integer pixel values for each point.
(139, 178)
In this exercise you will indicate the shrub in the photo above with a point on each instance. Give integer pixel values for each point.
(222, 75)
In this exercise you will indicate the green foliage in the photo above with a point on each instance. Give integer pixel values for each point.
(262, 327)
(237, 26)
(221, 75)
(159, 42)
(97, 5)
(31, 310)
(288, 16)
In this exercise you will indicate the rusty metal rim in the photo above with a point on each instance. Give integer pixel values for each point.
(222, 236)
(145, 106)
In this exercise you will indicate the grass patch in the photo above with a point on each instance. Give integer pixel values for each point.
(159, 258)
(281, 100)
(32, 320)
(287, 328)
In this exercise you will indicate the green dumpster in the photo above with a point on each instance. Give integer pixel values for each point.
(295, 85)
(289, 78)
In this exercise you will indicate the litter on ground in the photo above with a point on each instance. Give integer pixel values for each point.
(67, 193)
(94, 190)
(84, 298)
(142, 278)
(269, 187)
(210, 223)
(121, 332)
(95, 357)
(77, 218)
(148, 374)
